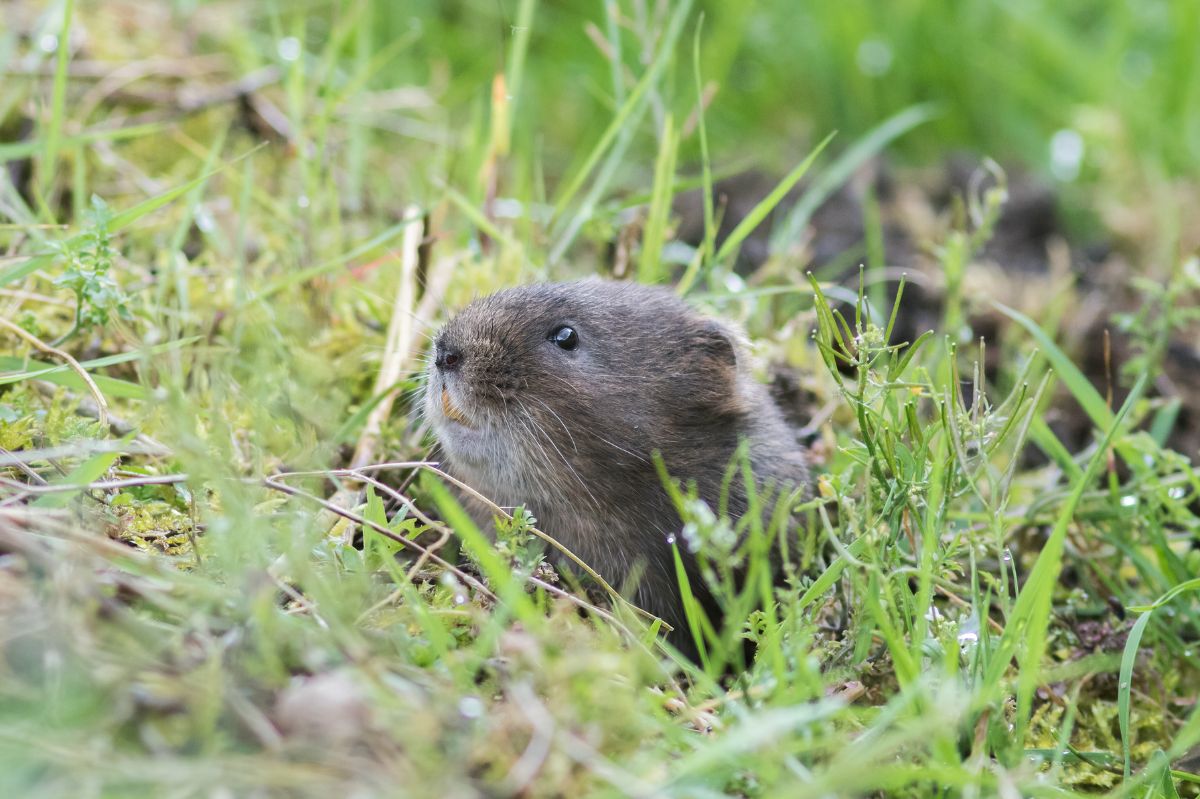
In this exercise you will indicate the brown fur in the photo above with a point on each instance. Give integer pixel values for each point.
(570, 434)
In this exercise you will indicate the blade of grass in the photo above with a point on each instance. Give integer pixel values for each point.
(51, 373)
(1080, 387)
(301, 276)
(635, 99)
(49, 164)
(478, 218)
(768, 203)
(613, 33)
(521, 30)
(12, 151)
(499, 575)
(10, 363)
(844, 166)
(706, 177)
(613, 162)
(650, 265)
(87, 472)
(1182, 588)
(1047, 442)
(1124, 685)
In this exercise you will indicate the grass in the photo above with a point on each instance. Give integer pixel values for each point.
(225, 569)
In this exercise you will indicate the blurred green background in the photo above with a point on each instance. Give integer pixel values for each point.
(1081, 92)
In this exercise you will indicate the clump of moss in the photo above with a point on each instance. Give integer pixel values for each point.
(152, 526)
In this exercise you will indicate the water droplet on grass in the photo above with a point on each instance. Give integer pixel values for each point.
(288, 48)
(470, 707)
(874, 57)
(1066, 154)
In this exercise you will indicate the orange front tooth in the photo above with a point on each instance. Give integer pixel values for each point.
(452, 413)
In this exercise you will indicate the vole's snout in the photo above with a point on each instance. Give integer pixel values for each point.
(446, 357)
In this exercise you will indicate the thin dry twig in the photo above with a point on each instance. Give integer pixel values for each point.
(397, 352)
(37, 343)
(82, 448)
(399, 339)
(97, 485)
(23, 468)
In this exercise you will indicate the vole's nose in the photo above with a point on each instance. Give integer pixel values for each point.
(447, 358)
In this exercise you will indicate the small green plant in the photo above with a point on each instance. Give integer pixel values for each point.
(89, 260)
(1167, 309)
(516, 542)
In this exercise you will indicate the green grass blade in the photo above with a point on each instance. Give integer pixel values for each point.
(1080, 387)
(479, 218)
(844, 167)
(1184, 587)
(706, 175)
(62, 376)
(12, 151)
(1125, 684)
(522, 29)
(497, 571)
(636, 97)
(302, 276)
(45, 371)
(49, 164)
(650, 265)
(87, 472)
(768, 203)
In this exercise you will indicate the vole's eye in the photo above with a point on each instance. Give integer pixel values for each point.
(565, 337)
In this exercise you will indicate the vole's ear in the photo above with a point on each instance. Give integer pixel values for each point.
(717, 347)
(715, 342)
(713, 378)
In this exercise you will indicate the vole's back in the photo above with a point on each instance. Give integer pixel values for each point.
(557, 397)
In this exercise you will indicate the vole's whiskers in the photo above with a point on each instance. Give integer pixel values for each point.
(554, 413)
(540, 432)
(570, 388)
(619, 448)
(590, 432)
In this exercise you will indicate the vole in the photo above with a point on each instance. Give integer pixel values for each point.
(556, 397)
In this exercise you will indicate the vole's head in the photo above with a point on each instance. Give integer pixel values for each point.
(548, 380)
